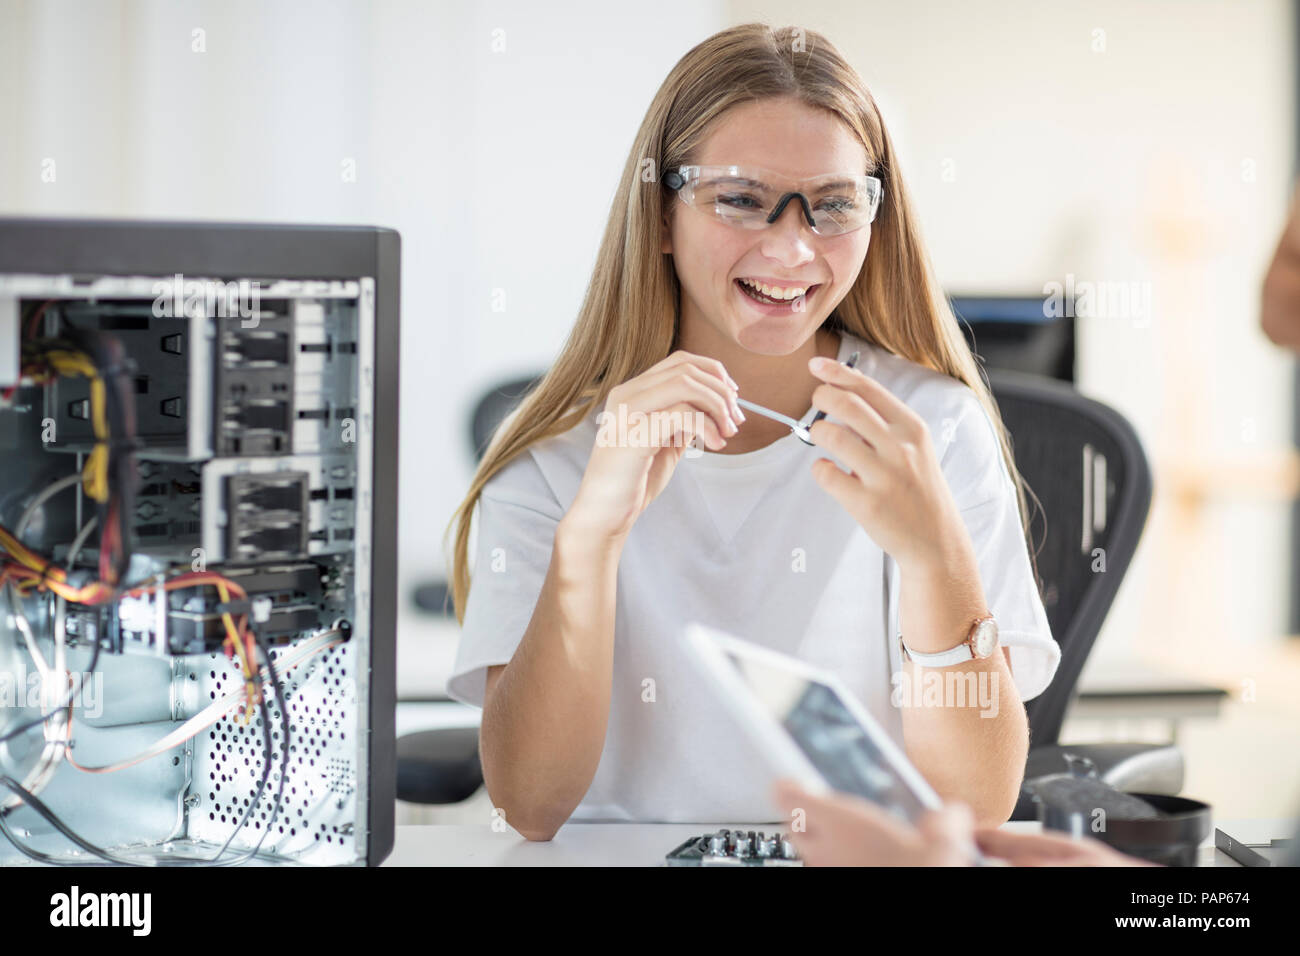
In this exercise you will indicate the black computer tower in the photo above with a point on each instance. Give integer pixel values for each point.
(185, 404)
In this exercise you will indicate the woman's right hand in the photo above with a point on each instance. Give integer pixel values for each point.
(682, 397)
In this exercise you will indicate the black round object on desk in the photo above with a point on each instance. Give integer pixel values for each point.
(1172, 838)
(1155, 827)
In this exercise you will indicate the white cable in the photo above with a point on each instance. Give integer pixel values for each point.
(19, 615)
(60, 605)
(25, 628)
(56, 726)
(220, 707)
(30, 511)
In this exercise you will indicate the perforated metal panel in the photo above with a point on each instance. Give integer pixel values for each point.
(317, 820)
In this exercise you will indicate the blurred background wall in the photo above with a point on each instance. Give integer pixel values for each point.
(1115, 142)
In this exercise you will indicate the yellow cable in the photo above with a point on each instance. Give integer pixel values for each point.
(233, 636)
(95, 481)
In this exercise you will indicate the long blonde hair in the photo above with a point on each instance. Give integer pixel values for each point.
(628, 319)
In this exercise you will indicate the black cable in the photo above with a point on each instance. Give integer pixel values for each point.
(37, 805)
(31, 800)
(114, 368)
(115, 371)
(284, 729)
(265, 771)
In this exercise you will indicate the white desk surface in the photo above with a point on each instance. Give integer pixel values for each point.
(646, 844)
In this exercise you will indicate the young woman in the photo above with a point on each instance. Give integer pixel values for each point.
(762, 171)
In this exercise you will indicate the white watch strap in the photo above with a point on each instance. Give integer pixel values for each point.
(954, 655)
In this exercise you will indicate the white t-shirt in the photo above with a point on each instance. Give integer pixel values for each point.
(752, 545)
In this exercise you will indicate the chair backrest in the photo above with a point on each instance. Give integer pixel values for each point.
(1086, 465)
(492, 409)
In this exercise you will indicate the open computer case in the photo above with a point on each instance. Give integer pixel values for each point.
(198, 473)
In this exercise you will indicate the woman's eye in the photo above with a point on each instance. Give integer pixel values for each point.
(738, 200)
(839, 204)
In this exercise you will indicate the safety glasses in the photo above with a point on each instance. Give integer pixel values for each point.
(750, 197)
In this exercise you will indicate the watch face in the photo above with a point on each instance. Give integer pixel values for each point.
(986, 638)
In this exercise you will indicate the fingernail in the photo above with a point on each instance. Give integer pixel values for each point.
(817, 363)
(738, 413)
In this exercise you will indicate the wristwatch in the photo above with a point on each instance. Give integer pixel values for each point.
(980, 642)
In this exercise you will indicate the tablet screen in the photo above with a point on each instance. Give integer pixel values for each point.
(833, 740)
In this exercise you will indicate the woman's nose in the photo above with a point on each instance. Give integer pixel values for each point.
(788, 240)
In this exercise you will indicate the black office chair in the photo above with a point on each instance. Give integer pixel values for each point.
(1056, 434)
(442, 766)
(435, 596)
(1086, 465)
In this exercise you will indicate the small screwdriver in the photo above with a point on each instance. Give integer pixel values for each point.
(798, 428)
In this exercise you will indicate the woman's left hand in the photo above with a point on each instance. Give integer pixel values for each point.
(896, 491)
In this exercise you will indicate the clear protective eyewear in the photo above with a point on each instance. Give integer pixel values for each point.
(753, 198)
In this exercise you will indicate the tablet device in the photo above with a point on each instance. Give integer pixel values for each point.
(808, 724)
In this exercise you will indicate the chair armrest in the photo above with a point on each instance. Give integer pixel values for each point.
(438, 766)
(1140, 768)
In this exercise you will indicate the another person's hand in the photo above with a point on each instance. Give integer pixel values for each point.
(1051, 849)
(843, 830)
(1280, 300)
(675, 400)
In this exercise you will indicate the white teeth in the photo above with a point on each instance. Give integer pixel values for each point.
(775, 292)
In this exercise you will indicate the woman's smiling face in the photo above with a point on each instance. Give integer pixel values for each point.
(796, 141)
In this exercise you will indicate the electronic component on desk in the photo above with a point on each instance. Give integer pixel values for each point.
(1272, 853)
(735, 848)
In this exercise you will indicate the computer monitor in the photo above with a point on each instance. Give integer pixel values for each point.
(1019, 333)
